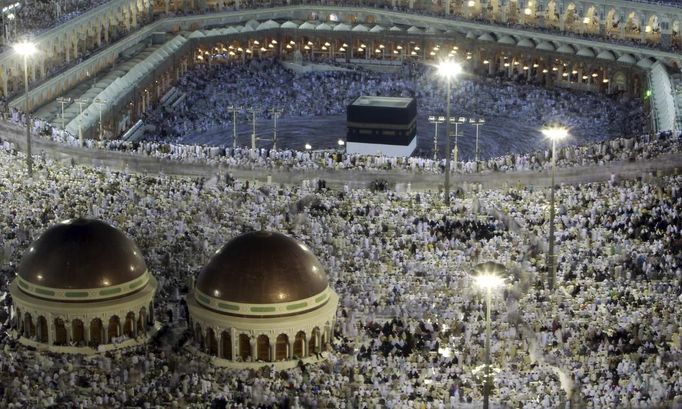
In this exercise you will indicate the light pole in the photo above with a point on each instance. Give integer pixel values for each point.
(99, 103)
(11, 27)
(9, 10)
(80, 102)
(253, 111)
(436, 120)
(477, 123)
(26, 49)
(488, 278)
(554, 134)
(342, 145)
(275, 114)
(457, 122)
(449, 70)
(233, 110)
(62, 102)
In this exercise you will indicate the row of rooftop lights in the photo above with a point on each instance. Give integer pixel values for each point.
(232, 50)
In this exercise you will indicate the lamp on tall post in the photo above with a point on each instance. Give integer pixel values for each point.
(488, 278)
(62, 101)
(457, 121)
(275, 112)
(253, 111)
(100, 102)
(477, 123)
(436, 120)
(449, 70)
(554, 133)
(26, 49)
(233, 109)
(80, 102)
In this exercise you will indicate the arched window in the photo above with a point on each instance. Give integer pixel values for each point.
(281, 347)
(299, 344)
(141, 321)
(226, 347)
(59, 332)
(199, 336)
(263, 350)
(211, 343)
(114, 328)
(41, 330)
(313, 346)
(244, 347)
(78, 331)
(129, 327)
(96, 332)
(29, 327)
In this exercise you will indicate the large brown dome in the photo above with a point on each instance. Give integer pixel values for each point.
(82, 254)
(262, 268)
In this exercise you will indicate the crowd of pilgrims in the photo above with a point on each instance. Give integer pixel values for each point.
(618, 149)
(265, 83)
(618, 125)
(37, 16)
(411, 323)
(41, 15)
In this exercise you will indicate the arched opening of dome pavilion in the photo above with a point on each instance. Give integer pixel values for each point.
(244, 347)
(78, 331)
(60, 336)
(263, 348)
(299, 345)
(226, 345)
(282, 347)
(96, 332)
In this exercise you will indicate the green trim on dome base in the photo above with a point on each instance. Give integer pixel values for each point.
(263, 310)
(83, 294)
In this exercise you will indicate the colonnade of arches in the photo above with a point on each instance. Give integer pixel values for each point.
(657, 28)
(80, 332)
(71, 45)
(239, 346)
(571, 16)
(485, 58)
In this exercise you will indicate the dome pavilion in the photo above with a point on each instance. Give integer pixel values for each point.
(263, 297)
(81, 285)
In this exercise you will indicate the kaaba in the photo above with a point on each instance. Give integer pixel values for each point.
(382, 125)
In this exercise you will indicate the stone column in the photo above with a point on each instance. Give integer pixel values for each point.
(290, 347)
(254, 352)
(86, 330)
(50, 331)
(134, 325)
(234, 342)
(67, 324)
(666, 34)
(272, 349)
